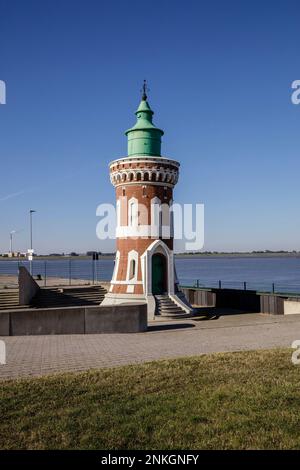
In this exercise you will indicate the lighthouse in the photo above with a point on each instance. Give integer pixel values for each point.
(144, 268)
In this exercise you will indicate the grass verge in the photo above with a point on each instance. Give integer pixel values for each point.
(244, 400)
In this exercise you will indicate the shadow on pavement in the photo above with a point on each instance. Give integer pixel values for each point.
(162, 327)
(214, 313)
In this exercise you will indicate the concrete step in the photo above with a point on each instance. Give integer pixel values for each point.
(13, 307)
(9, 299)
(8, 293)
(166, 307)
(166, 304)
(81, 289)
(83, 295)
(171, 305)
(10, 296)
(171, 309)
(9, 302)
(63, 297)
(55, 297)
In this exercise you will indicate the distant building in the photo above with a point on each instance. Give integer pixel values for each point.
(14, 254)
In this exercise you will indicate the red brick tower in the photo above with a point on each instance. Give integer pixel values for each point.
(144, 181)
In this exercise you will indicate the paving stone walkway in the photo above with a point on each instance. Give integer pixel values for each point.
(40, 355)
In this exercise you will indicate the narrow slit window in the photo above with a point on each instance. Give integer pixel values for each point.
(132, 269)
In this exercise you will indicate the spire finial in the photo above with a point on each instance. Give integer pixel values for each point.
(144, 91)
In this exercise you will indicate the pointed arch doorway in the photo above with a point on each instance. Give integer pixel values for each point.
(159, 274)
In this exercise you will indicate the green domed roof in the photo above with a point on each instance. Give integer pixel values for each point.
(144, 138)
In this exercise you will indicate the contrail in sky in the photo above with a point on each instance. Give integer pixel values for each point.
(10, 196)
(58, 180)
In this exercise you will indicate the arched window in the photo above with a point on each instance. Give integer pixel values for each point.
(133, 212)
(118, 212)
(155, 217)
(116, 267)
(132, 269)
(132, 266)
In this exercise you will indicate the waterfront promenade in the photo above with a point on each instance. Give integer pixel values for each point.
(43, 355)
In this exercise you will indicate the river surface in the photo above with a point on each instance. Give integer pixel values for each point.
(259, 273)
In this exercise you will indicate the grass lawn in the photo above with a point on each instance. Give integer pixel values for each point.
(246, 400)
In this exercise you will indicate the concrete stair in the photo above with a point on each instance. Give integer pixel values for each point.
(69, 297)
(9, 299)
(166, 307)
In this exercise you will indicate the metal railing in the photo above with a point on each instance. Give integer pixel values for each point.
(58, 272)
(82, 271)
(278, 287)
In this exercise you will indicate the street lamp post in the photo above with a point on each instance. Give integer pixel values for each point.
(11, 242)
(31, 249)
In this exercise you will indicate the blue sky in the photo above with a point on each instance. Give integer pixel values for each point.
(220, 77)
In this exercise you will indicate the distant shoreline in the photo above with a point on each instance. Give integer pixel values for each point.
(177, 255)
(239, 255)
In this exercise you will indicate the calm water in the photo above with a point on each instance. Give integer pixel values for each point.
(258, 273)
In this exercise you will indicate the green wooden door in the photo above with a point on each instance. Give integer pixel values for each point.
(158, 274)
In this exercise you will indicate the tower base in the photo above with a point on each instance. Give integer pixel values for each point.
(125, 299)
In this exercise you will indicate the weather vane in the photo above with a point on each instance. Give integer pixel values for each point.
(144, 90)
